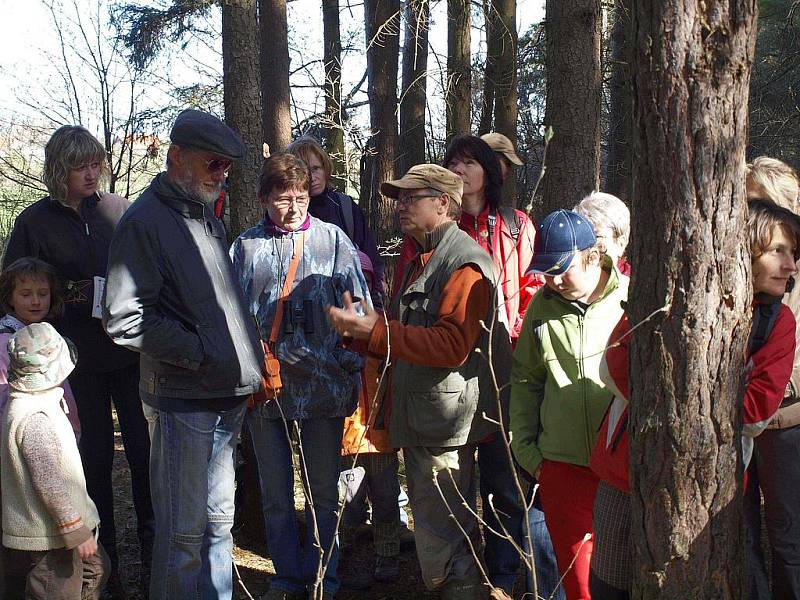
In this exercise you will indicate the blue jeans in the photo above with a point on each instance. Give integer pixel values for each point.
(295, 567)
(543, 555)
(192, 484)
(497, 478)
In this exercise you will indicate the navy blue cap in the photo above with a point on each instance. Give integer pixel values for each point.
(197, 129)
(559, 236)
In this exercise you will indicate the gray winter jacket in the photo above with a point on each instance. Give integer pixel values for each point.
(172, 295)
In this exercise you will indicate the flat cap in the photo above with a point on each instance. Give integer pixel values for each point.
(426, 176)
(197, 129)
(502, 145)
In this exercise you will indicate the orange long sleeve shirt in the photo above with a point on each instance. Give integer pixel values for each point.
(451, 339)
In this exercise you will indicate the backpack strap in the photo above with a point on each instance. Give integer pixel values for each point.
(512, 219)
(764, 317)
(346, 203)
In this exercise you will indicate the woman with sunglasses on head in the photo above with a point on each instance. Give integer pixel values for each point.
(290, 266)
(71, 229)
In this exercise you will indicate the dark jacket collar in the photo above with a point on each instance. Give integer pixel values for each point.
(176, 198)
(87, 203)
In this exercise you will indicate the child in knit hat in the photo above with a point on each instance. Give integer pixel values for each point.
(49, 521)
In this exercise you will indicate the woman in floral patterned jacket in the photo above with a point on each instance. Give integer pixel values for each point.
(320, 378)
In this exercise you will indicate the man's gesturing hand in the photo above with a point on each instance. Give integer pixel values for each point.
(348, 323)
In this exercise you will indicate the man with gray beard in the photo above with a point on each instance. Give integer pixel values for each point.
(172, 296)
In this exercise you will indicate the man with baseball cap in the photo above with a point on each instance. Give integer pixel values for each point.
(504, 150)
(440, 386)
(558, 400)
(172, 296)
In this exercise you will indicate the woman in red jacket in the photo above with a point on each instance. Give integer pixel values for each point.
(774, 244)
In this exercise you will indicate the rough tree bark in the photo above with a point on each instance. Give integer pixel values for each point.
(241, 95)
(574, 86)
(691, 68)
(459, 69)
(382, 20)
(275, 95)
(617, 169)
(241, 85)
(493, 41)
(332, 126)
(414, 90)
(504, 30)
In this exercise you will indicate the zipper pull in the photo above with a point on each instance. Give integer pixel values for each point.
(85, 224)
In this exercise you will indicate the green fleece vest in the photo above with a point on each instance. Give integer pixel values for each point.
(444, 407)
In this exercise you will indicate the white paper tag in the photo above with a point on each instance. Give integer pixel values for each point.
(97, 301)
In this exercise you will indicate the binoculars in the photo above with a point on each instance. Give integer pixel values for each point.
(296, 313)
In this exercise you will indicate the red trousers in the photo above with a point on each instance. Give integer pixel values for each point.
(567, 495)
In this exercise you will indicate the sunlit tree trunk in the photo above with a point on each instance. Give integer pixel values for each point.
(690, 257)
(241, 83)
(459, 68)
(275, 95)
(413, 96)
(574, 86)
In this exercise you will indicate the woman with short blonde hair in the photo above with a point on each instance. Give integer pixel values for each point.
(772, 179)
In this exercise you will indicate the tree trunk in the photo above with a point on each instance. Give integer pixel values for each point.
(618, 160)
(333, 129)
(240, 73)
(691, 69)
(382, 20)
(505, 110)
(493, 48)
(574, 86)
(241, 88)
(459, 69)
(275, 95)
(413, 97)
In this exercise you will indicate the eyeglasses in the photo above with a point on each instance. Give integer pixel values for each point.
(217, 165)
(286, 201)
(409, 200)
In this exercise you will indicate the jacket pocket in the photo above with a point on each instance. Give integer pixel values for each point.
(439, 415)
(220, 367)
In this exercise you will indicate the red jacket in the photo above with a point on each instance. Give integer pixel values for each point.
(769, 369)
(510, 260)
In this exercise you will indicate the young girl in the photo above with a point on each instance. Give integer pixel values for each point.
(29, 293)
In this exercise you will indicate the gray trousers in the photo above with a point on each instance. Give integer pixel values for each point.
(442, 548)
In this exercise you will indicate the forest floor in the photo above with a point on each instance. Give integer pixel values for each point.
(252, 563)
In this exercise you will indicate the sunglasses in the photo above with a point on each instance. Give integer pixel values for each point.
(218, 165)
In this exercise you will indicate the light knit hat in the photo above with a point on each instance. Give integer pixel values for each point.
(40, 359)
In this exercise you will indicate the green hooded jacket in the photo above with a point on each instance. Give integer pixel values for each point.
(557, 398)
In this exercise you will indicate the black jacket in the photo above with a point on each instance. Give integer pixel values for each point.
(172, 295)
(328, 207)
(76, 245)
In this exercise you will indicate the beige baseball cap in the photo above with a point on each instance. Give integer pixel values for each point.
(426, 176)
(501, 144)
